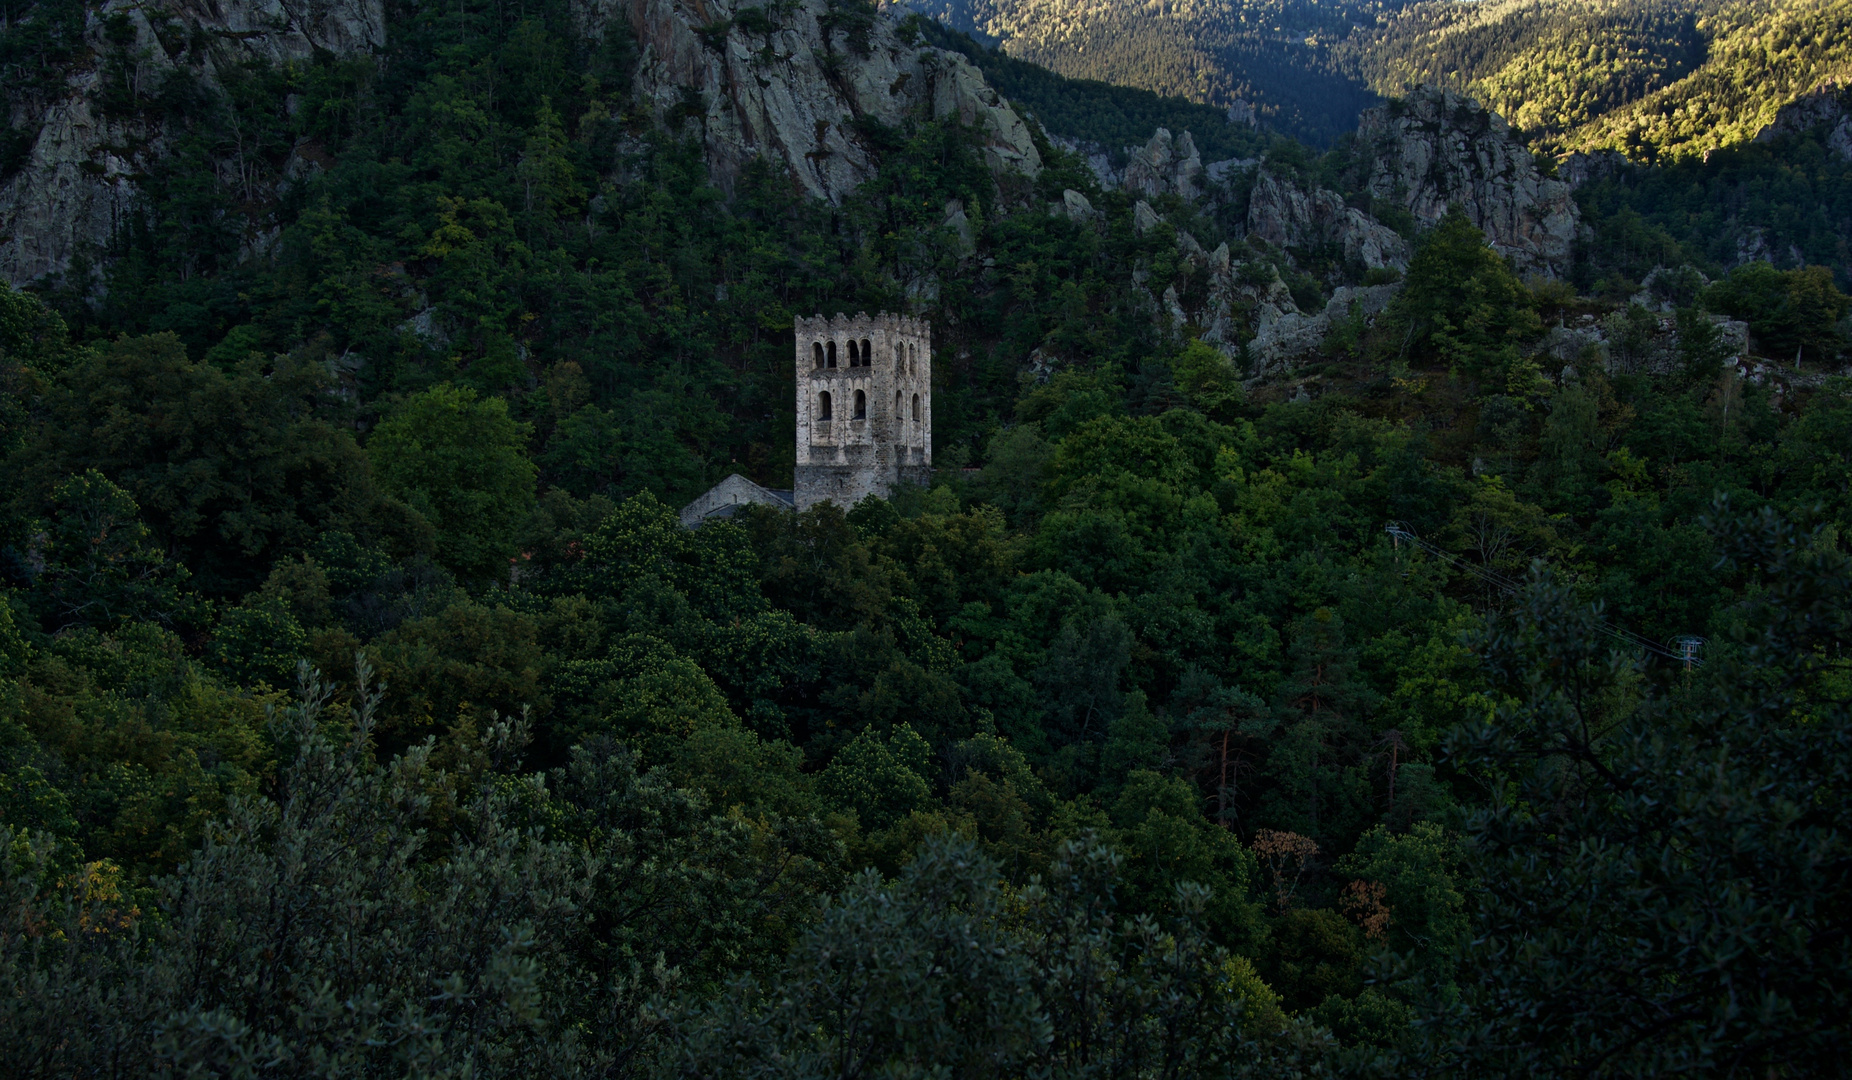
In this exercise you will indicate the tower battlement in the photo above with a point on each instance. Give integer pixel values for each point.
(864, 406)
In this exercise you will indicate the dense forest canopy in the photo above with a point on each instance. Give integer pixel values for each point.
(365, 710)
(1275, 55)
(1651, 78)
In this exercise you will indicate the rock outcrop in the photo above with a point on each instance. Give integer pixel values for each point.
(1077, 207)
(792, 82)
(1165, 166)
(1246, 305)
(78, 180)
(1827, 107)
(1281, 335)
(1287, 216)
(1588, 338)
(1584, 168)
(1437, 148)
(789, 83)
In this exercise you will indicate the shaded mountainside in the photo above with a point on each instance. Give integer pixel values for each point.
(1273, 55)
(137, 99)
(1649, 77)
(93, 95)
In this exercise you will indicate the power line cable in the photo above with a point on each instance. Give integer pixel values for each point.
(1683, 649)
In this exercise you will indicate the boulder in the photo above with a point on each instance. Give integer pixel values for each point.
(960, 223)
(1077, 207)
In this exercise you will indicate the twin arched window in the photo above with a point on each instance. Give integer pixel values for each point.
(861, 353)
(823, 405)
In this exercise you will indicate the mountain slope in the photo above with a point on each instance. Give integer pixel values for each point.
(1649, 77)
(1545, 65)
(1274, 54)
(1763, 55)
(145, 99)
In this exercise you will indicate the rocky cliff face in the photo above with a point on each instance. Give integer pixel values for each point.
(1827, 107)
(799, 84)
(1287, 216)
(1438, 147)
(1165, 166)
(78, 180)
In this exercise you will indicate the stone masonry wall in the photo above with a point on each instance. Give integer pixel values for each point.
(842, 457)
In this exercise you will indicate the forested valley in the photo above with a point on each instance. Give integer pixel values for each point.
(1654, 79)
(1429, 705)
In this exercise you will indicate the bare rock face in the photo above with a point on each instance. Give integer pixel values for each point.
(1585, 168)
(78, 180)
(1165, 166)
(1286, 216)
(280, 30)
(1280, 336)
(1439, 147)
(1827, 106)
(790, 84)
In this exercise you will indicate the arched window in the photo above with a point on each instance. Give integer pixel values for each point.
(854, 360)
(897, 415)
(823, 405)
(868, 354)
(816, 352)
(831, 361)
(861, 405)
(916, 408)
(900, 359)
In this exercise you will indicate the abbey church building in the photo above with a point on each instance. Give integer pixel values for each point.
(864, 416)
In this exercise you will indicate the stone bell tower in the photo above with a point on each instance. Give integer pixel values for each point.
(864, 407)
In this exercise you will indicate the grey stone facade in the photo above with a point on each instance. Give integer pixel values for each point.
(724, 499)
(864, 407)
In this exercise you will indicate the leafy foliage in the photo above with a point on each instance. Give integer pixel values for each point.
(1131, 746)
(1650, 912)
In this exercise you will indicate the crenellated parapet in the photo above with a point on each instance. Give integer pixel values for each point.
(861, 324)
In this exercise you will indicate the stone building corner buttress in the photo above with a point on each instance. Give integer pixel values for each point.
(864, 407)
